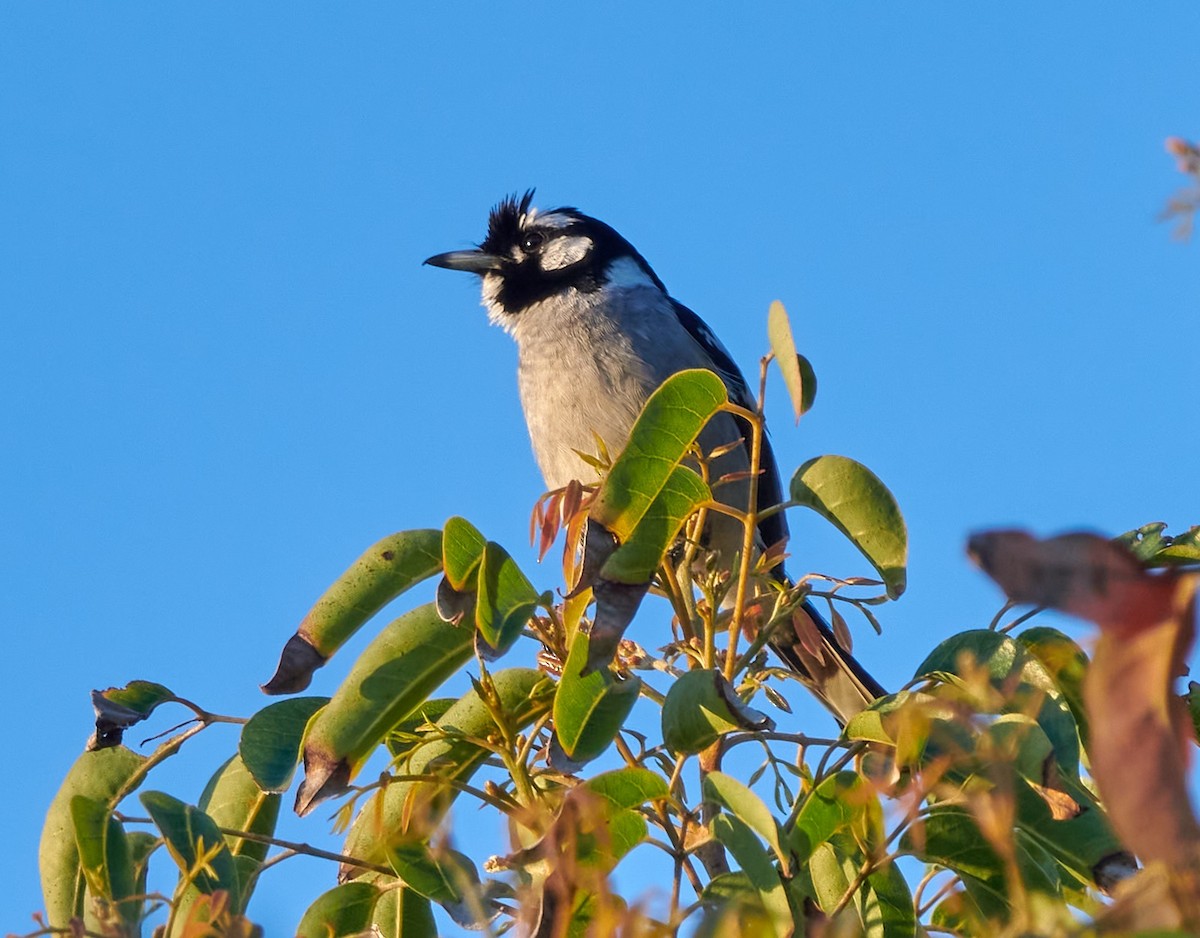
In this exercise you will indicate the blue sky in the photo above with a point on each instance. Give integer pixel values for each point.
(226, 372)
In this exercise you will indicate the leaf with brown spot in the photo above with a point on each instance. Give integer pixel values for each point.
(384, 571)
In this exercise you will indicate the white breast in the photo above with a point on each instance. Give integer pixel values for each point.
(587, 364)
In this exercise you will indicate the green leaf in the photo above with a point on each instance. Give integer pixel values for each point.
(951, 838)
(119, 708)
(141, 845)
(409, 659)
(386, 570)
(869, 725)
(462, 550)
(740, 801)
(407, 810)
(102, 776)
(701, 707)
(1183, 549)
(235, 802)
(1022, 679)
(1066, 663)
(737, 837)
(628, 787)
(137, 697)
(1144, 542)
(623, 827)
(505, 601)
(733, 907)
(797, 373)
(343, 912)
(196, 845)
(589, 709)
(1079, 844)
(638, 557)
(444, 877)
(843, 803)
(1155, 549)
(402, 913)
(889, 902)
(406, 734)
(882, 904)
(959, 914)
(669, 423)
(270, 742)
(852, 498)
(625, 830)
(108, 867)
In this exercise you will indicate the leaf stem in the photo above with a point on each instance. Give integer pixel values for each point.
(749, 524)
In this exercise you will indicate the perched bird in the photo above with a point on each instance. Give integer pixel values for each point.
(596, 334)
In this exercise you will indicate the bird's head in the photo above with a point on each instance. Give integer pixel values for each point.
(530, 256)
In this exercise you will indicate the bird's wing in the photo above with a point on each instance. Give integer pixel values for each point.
(770, 487)
(836, 678)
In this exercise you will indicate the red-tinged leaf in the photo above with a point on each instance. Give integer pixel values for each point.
(808, 635)
(841, 632)
(1140, 729)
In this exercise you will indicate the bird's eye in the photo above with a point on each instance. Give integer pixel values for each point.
(532, 241)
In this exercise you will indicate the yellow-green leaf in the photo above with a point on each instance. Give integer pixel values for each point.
(852, 497)
(665, 430)
(408, 660)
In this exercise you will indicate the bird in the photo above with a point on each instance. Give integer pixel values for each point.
(597, 332)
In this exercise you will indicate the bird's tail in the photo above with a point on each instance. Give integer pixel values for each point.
(834, 676)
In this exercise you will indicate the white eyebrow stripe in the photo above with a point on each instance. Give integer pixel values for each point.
(549, 220)
(564, 251)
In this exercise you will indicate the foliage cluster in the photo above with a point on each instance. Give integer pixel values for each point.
(963, 804)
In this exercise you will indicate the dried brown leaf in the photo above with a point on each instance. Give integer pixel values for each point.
(1141, 730)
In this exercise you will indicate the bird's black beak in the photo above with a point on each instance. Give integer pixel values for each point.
(476, 262)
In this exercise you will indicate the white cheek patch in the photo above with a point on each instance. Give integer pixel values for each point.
(562, 252)
(491, 302)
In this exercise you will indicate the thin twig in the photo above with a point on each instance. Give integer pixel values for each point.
(749, 523)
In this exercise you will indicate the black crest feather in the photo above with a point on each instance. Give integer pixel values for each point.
(504, 223)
